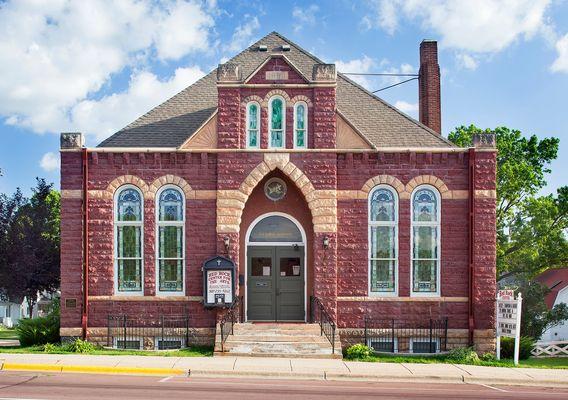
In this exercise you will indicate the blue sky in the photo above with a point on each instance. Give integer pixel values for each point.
(95, 66)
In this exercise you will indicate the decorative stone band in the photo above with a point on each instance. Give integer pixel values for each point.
(485, 194)
(72, 194)
(322, 203)
(70, 332)
(146, 298)
(405, 299)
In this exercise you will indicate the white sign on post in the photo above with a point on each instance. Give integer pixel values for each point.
(219, 287)
(509, 320)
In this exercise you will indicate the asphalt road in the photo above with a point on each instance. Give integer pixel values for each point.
(36, 386)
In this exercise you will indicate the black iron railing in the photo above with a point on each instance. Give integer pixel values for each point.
(163, 332)
(227, 323)
(327, 325)
(406, 336)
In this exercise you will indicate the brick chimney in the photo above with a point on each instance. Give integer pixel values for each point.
(429, 107)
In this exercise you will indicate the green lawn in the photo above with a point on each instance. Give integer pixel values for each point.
(558, 362)
(194, 351)
(7, 333)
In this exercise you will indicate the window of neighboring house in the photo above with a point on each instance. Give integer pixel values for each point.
(383, 242)
(425, 241)
(253, 125)
(277, 122)
(170, 240)
(128, 233)
(301, 125)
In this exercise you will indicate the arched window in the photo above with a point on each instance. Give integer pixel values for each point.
(253, 125)
(300, 125)
(170, 240)
(128, 239)
(383, 241)
(425, 241)
(277, 122)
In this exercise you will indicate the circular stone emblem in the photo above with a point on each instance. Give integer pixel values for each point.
(275, 189)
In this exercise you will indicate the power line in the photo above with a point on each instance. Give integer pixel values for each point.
(377, 74)
(396, 84)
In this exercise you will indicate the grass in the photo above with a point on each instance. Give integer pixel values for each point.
(193, 351)
(557, 363)
(6, 333)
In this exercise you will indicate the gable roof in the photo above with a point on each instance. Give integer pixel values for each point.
(173, 122)
(554, 279)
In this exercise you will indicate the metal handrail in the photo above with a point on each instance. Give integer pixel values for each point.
(228, 321)
(326, 322)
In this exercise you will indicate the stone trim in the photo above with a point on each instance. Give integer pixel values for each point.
(276, 92)
(71, 194)
(322, 203)
(385, 180)
(70, 332)
(124, 180)
(485, 194)
(170, 180)
(303, 98)
(404, 299)
(362, 195)
(254, 97)
(146, 298)
(429, 180)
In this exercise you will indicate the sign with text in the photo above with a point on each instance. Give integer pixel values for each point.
(218, 282)
(509, 319)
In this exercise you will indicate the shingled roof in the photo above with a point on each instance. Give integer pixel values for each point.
(171, 123)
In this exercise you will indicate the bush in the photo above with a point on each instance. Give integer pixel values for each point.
(37, 331)
(50, 348)
(489, 357)
(80, 346)
(358, 352)
(463, 355)
(508, 347)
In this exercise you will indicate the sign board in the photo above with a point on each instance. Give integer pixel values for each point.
(508, 320)
(218, 282)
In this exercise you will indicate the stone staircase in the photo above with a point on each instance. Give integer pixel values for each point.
(277, 340)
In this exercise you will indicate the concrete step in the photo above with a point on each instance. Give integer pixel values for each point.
(279, 338)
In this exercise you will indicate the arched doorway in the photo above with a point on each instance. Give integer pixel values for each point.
(275, 269)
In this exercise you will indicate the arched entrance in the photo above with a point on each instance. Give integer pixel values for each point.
(275, 269)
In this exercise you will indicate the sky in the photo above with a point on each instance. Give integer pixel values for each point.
(95, 66)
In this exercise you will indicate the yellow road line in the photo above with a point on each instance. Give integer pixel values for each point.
(87, 369)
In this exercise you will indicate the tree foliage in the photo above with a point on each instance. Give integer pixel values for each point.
(29, 243)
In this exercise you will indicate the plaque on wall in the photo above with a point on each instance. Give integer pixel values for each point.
(275, 189)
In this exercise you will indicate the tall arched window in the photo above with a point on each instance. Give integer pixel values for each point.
(383, 241)
(128, 239)
(277, 122)
(300, 125)
(425, 241)
(170, 240)
(253, 125)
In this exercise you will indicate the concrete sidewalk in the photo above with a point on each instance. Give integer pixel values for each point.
(255, 367)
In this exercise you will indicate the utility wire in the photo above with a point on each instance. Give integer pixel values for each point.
(377, 74)
(396, 84)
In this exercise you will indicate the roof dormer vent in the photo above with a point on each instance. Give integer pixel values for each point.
(262, 47)
(285, 47)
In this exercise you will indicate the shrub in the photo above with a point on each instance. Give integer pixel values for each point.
(358, 352)
(80, 346)
(488, 357)
(50, 348)
(37, 331)
(463, 355)
(508, 347)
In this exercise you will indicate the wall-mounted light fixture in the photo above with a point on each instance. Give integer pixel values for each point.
(227, 241)
(325, 242)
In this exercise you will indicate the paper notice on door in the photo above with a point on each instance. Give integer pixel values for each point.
(266, 271)
(296, 270)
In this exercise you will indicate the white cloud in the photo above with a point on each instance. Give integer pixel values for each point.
(409, 108)
(55, 55)
(304, 16)
(100, 118)
(364, 64)
(467, 61)
(49, 162)
(243, 35)
(561, 62)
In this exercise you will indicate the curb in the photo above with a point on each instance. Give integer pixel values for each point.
(92, 369)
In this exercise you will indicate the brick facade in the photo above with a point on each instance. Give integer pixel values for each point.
(327, 193)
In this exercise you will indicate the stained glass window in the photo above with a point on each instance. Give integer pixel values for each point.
(425, 241)
(253, 125)
(128, 239)
(170, 239)
(383, 232)
(277, 122)
(300, 125)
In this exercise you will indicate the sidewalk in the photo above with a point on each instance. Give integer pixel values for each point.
(255, 367)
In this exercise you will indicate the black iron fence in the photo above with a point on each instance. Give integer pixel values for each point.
(227, 323)
(164, 332)
(406, 336)
(327, 325)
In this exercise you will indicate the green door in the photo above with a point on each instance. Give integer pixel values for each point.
(275, 283)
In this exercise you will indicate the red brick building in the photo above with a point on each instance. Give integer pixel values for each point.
(310, 184)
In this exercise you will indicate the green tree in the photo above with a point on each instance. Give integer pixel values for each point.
(32, 240)
(9, 206)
